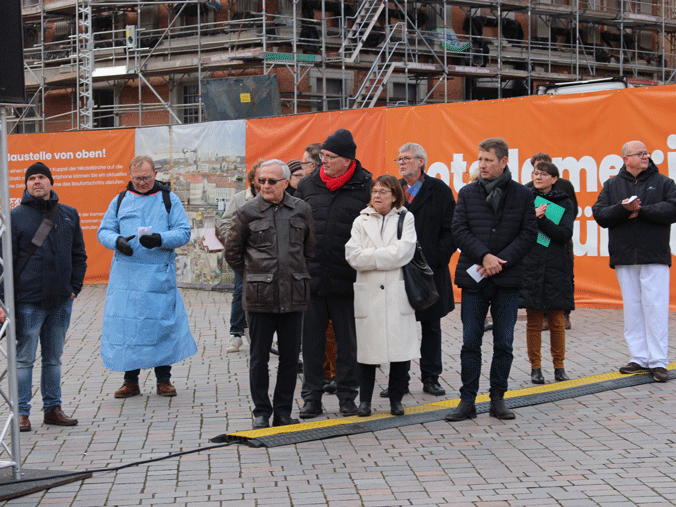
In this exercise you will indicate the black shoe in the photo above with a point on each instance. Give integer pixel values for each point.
(560, 375)
(487, 326)
(433, 387)
(274, 351)
(347, 408)
(536, 376)
(261, 422)
(300, 366)
(465, 410)
(385, 393)
(364, 409)
(311, 408)
(396, 408)
(331, 387)
(498, 409)
(283, 420)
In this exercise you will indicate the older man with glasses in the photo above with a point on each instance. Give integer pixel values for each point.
(432, 204)
(268, 245)
(337, 193)
(638, 207)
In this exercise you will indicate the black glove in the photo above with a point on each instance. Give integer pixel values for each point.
(152, 241)
(123, 246)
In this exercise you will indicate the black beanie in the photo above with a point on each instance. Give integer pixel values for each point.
(38, 168)
(341, 143)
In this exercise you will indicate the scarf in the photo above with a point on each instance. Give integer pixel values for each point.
(411, 191)
(495, 188)
(334, 184)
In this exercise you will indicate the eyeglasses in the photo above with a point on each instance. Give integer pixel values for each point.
(272, 182)
(139, 179)
(381, 192)
(405, 160)
(537, 174)
(306, 163)
(329, 157)
(640, 154)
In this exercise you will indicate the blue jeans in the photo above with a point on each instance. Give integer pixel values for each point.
(237, 315)
(35, 324)
(504, 304)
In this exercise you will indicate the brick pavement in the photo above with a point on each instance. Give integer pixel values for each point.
(614, 448)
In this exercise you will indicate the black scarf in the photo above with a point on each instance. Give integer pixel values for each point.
(495, 188)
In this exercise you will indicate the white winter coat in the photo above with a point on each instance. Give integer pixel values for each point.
(385, 321)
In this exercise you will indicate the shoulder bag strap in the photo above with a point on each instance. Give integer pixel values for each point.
(39, 237)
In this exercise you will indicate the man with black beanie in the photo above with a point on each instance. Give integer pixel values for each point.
(337, 193)
(48, 253)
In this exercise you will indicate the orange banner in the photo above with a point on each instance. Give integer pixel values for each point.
(89, 169)
(583, 133)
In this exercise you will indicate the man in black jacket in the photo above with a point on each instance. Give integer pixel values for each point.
(46, 281)
(432, 203)
(638, 207)
(270, 238)
(494, 227)
(337, 193)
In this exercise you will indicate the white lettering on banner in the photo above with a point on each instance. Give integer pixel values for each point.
(440, 170)
(458, 168)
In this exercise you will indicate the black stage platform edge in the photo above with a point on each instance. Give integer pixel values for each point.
(365, 426)
(33, 481)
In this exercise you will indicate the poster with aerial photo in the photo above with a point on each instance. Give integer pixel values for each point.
(205, 166)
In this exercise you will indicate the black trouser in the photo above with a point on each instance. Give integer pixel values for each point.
(397, 383)
(262, 327)
(161, 373)
(430, 350)
(340, 309)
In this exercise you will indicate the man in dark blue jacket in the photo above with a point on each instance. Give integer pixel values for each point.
(46, 280)
(638, 207)
(494, 226)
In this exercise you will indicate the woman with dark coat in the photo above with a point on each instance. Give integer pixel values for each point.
(547, 275)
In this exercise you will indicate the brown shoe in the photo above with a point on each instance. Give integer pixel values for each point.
(633, 367)
(164, 388)
(128, 389)
(24, 423)
(660, 374)
(57, 417)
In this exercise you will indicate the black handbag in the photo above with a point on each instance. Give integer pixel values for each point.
(418, 276)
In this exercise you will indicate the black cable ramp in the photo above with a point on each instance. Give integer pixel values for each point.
(431, 412)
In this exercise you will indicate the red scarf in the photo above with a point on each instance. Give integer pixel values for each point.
(334, 184)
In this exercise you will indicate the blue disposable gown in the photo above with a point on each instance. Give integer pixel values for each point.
(144, 321)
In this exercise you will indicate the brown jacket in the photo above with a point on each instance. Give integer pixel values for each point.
(268, 245)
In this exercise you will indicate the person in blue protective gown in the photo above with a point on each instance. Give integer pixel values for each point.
(145, 324)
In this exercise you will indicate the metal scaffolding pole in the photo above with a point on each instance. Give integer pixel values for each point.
(7, 330)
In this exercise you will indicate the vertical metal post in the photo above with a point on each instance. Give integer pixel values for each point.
(8, 327)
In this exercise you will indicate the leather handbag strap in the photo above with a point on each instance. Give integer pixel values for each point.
(400, 223)
(48, 222)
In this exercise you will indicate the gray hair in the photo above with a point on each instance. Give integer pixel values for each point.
(138, 162)
(286, 172)
(418, 152)
(498, 144)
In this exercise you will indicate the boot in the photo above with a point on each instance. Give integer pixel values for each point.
(498, 409)
(465, 410)
(536, 376)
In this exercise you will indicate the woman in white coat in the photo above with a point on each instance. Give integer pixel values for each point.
(385, 321)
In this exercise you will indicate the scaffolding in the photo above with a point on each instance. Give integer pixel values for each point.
(330, 55)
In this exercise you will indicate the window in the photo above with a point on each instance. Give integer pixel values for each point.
(190, 101)
(339, 87)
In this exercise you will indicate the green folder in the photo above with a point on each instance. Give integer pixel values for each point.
(554, 213)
